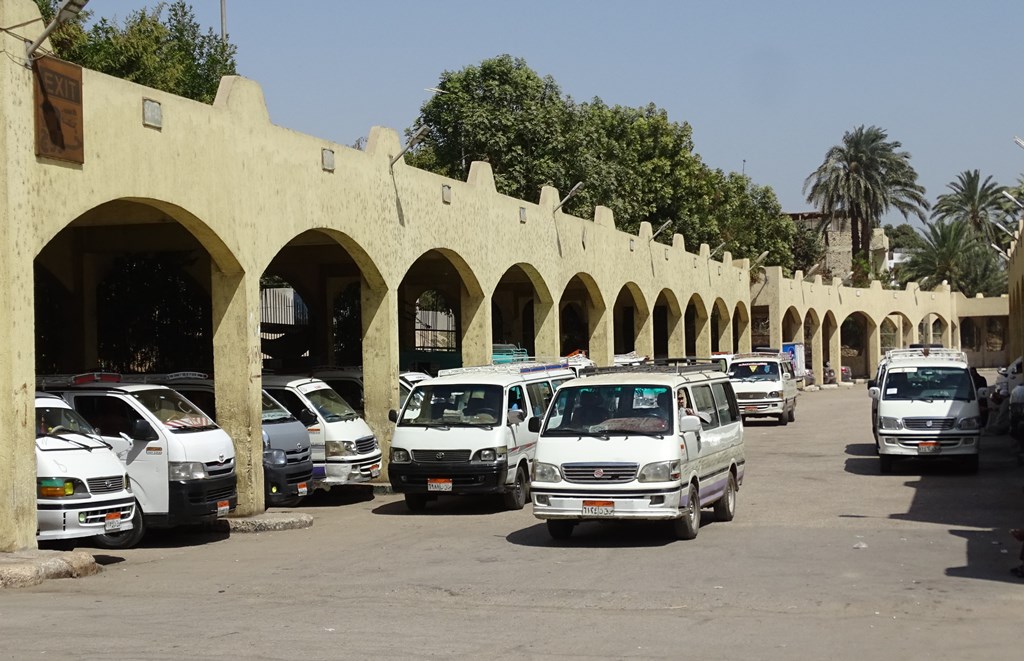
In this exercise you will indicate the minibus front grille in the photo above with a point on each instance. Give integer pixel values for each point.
(366, 445)
(112, 484)
(440, 456)
(929, 424)
(296, 456)
(220, 468)
(599, 473)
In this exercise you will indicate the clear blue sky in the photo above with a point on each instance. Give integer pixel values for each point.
(774, 84)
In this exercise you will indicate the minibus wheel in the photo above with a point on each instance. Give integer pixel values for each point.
(688, 525)
(416, 502)
(515, 497)
(560, 529)
(725, 507)
(126, 539)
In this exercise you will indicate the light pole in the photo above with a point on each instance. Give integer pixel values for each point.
(67, 11)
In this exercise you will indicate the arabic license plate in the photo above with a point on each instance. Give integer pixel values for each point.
(303, 488)
(375, 471)
(929, 447)
(112, 522)
(223, 507)
(439, 484)
(749, 409)
(598, 507)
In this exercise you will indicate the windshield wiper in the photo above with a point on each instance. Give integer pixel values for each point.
(84, 446)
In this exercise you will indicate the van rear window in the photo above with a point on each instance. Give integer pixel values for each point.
(754, 371)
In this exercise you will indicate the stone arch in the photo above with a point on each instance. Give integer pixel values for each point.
(444, 271)
(721, 328)
(792, 326)
(631, 320)
(905, 331)
(667, 318)
(521, 311)
(859, 337)
(116, 244)
(697, 327)
(741, 328)
(581, 321)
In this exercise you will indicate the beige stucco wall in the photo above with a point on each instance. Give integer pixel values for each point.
(245, 188)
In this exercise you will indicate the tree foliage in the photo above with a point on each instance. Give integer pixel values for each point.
(635, 161)
(862, 179)
(951, 251)
(977, 203)
(902, 237)
(163, 47)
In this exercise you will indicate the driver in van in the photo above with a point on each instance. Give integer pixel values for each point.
(684, 403)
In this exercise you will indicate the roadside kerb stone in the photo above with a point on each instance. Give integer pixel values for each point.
(26, 568)
(266, 522)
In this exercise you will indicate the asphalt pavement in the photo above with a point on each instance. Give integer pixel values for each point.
(826, 559)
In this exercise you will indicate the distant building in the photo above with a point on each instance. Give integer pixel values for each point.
(838, 240)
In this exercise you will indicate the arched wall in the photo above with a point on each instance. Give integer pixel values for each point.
(208, 169)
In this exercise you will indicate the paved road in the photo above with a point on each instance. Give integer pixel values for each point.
(826, 559)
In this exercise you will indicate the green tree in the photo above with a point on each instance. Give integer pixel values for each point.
(635, 161)
(808, 248)
(952, 252)
(902, 237)
(977, 203)
(862, 179)
(169, 53)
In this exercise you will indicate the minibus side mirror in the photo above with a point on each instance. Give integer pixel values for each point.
(872, 383)
(983, 392)
(515, 416)
(307, 417)
(533, 425)
(690, 423)
(393, 415)
(143, 431)
(873, 392)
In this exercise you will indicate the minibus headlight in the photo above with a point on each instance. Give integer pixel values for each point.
(57, 487)
(339, 448)
(774, 394)
(275, 457)
(491, 454)
(127, 483)
(186, 470)
(970, 424)
(546, 472)
(400, 456)
(660, 471)
(889, 423)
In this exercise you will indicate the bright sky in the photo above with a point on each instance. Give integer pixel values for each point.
(768, 87)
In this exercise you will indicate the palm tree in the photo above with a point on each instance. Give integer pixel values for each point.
(862, 179)
(977, 203)
(951, 251)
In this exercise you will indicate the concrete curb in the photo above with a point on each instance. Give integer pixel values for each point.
(266, 522)
(26, 568)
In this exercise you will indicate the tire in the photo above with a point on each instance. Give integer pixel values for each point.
(688, 525)
(725, 507)
(290, 502)
(416, 502)
(515, 498)
(884, 464)
(560, 529)
(127, 539)
(783, 419)
(970, 464)
(792, 413)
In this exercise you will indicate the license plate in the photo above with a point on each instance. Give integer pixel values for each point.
(303, 489)
(112, 521)
(929, 447)
(375, 471)
(439, 484)
(749, 409)
(598, 507)
(223, 507)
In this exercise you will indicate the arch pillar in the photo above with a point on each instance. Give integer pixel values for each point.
(546, 329)
(238, 364)
(602, 340)
(873, 330)
(643, 331)
(476, 339)
(676, 334)
(17, 406)
(817, 361)
(725, 344)
(379, 308)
